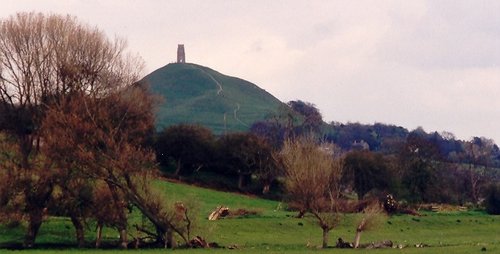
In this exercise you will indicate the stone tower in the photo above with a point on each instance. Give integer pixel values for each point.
(181, 55)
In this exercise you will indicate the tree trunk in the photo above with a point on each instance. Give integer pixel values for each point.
(122, 216)
(35, 221)
(325, 237)
(35, 205)
(123, 238)
(178, 169)
(359, 229)
(170, 242)
(165, 242)
(80, 235)
(153, 217)
(99, 235)
(266, 188)
(138, 201)
(357, 239)
(473, 183)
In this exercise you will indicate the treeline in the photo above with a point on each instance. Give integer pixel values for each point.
(236, 161)
(387, 139)
(302, 117)
(415, 166)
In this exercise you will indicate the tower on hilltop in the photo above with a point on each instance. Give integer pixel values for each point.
(181, 54)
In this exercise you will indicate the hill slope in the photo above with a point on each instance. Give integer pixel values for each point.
(199, 95)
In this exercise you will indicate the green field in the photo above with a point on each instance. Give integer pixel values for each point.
(275, 230)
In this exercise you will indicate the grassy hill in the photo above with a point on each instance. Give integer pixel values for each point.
(199, 95)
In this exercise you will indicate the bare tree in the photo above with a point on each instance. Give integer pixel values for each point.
(373, 215)
(103, 137)
(312, 180)
(478, 152)
(67, 95)
(43, 59)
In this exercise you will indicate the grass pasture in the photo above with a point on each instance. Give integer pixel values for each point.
(275, 230)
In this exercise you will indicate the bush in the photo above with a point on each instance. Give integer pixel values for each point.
(492, 200)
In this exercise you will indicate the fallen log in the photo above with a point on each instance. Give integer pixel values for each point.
(219, 212)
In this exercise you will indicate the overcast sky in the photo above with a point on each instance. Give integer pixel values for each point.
(434, 64)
